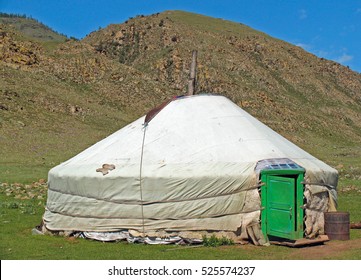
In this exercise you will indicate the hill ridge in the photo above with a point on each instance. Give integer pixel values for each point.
(32, 28)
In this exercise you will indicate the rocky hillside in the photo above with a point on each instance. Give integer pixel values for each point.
(55, 101)
(270, 78)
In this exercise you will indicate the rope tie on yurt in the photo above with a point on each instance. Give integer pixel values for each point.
(318, 184)
(140, 178)
(304, 207)
(163, 218)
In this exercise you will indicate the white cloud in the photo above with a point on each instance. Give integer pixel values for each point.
(306, 47)
(310, 48)
(302, 14)
(344, 58)
(322, 53)
(341, 56)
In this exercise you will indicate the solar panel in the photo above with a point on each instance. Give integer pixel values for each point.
(277, 164)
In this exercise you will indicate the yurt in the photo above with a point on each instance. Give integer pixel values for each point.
(196, 165)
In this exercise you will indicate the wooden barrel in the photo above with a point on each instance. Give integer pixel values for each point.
(337, 225)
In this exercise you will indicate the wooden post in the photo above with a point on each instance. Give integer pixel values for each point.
(192, 76)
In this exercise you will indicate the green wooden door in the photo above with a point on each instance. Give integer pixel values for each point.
(281, 212)
(282, 201)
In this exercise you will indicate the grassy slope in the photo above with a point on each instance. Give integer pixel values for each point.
(66, 100)
(33, 139)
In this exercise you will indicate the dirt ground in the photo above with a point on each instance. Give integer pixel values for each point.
(332, 249)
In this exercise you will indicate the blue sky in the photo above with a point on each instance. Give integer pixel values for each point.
(327, 28)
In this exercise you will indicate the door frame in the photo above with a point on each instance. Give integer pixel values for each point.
(298, 175)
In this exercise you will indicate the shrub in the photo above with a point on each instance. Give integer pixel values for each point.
(214, 241)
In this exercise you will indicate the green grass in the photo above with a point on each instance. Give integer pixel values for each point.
(205, 23)
(15, 172)
(350, 198)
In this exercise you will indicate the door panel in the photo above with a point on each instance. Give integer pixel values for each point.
(281, 206)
